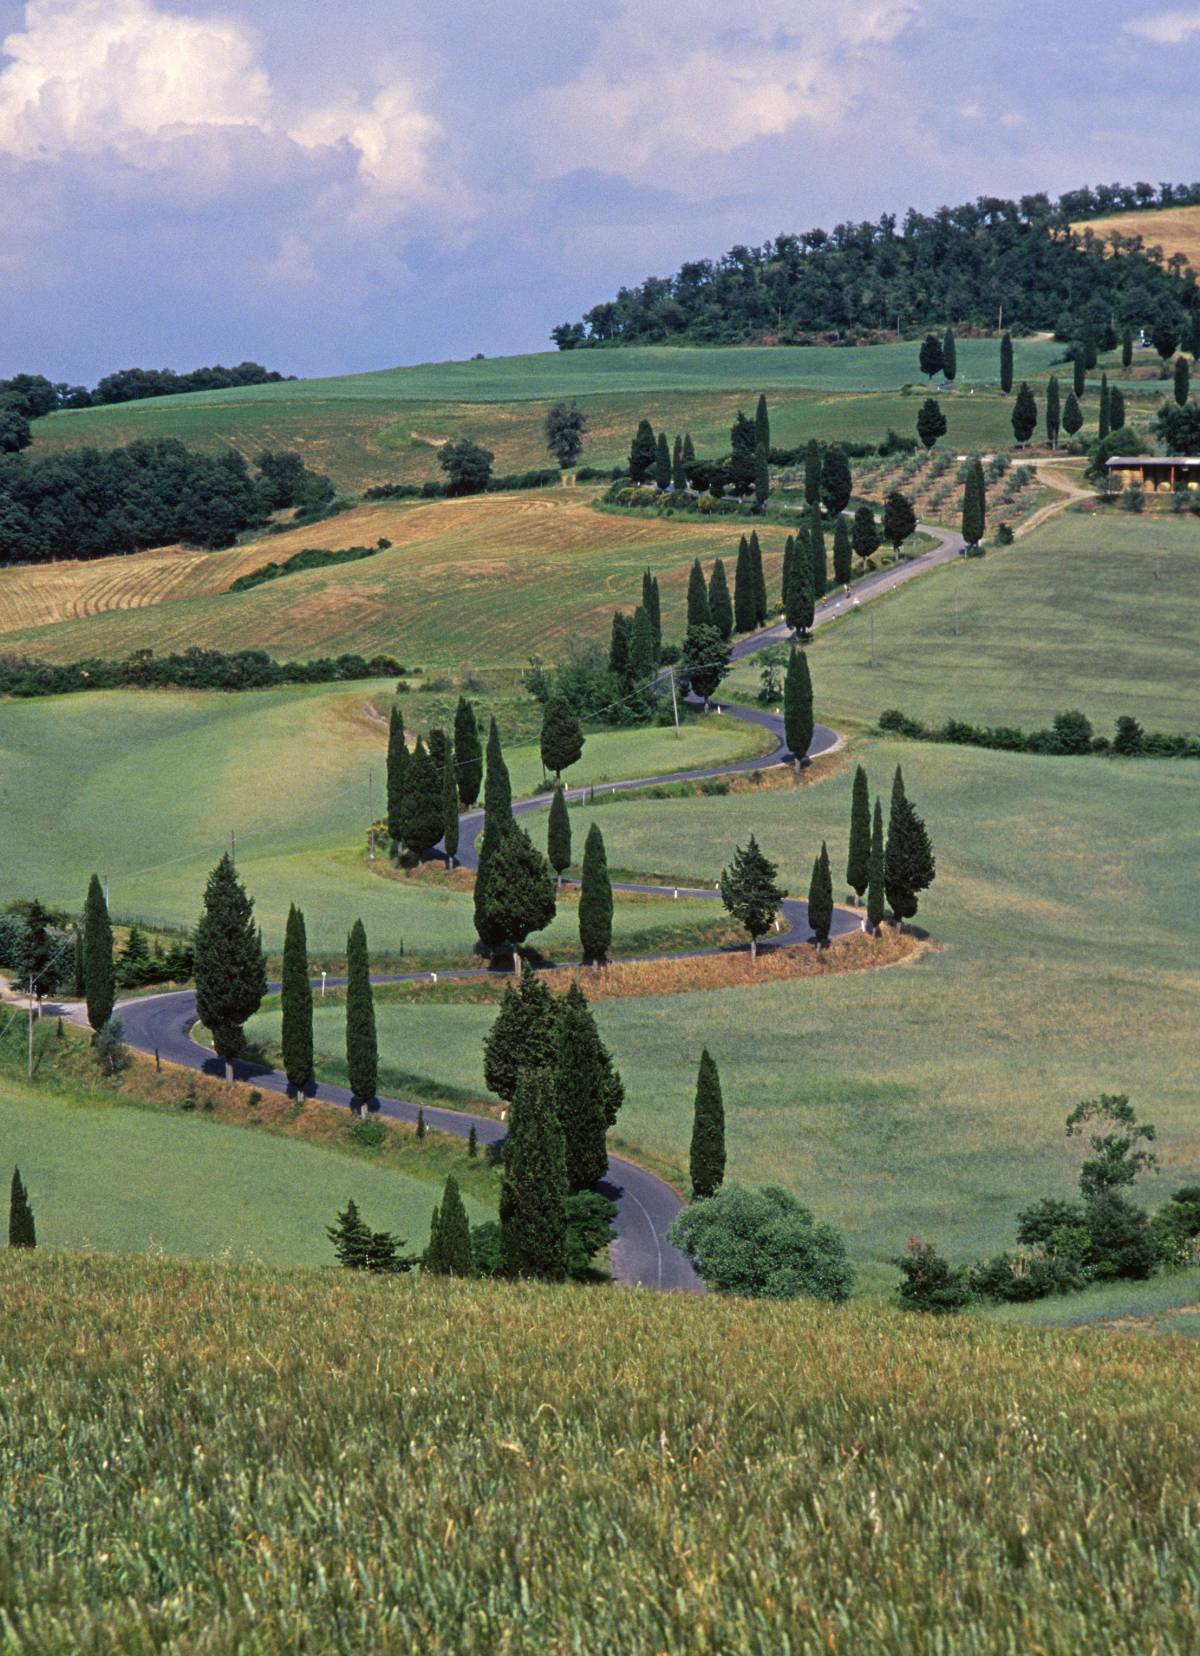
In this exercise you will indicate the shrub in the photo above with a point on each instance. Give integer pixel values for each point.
(764, 1245)
(1176, 1225)
(1122, 1243)
(1018, 1278)
(109, 1049)
(368, 1133)
(930, 1283)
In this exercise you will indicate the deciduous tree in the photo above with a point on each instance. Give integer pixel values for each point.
(899, 519)
(564, 428)
(704, 660)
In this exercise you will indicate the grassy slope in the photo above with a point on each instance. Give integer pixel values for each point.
(1094, 612)
(145, 788)
(1174, 229)
(266, 1461)
(927, 1098)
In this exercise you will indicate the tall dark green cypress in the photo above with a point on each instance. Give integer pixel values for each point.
(449, 1251)
(762, 424)
(618, 648)
(424, 815)
(228, 963)
(678, 474)
(362, 1047)
(843, 552)
(595, 900)
(876, 872)
(1079, 371)
(497, 815)
(949, 356)
(654, 611)
(785, 573)
(1006, 363)
(858, 859)
(1182, 385)
(744, 604)
(909, 865)
(562, 735)
(1053, 410)
(533, 1212)
(1104, 424)
(1116, 408)
(642, 654)
(707, 1154)
(1072, 415)
(468, 753)
(720, 607)
(974, 511)
(583, 1078)
(816, 552)
(798, 600)
(523, 1035)
(698, 614)
(558, 834)
(798, 705)
(296, 1005)
(99, 973)
(643, 451)
(762, 475)
(22, 1232)
(450, 807)
(662, 462)
(1024, 414)
(820, 897)
(812, 472)
(689, 452)
(397, 776)
(760, 582)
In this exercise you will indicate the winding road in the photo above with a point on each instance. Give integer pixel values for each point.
(646, 1205)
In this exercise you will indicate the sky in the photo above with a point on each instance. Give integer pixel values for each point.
(332, 188)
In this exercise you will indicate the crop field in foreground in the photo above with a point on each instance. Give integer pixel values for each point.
(146, 787)
(1096, 612)
(262, 1461)
(928, 1098)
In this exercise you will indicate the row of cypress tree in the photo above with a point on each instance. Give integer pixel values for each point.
(427, 786)
(897, 869)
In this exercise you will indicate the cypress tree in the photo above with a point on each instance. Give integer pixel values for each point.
(662, 462)
(1116, 408)
(583, 1078)
(595, 900)
(743, 590)
(798, 705)
(296, 1040)
(228, 964)
(468, 753)
(812, 472)
(437, 745)
(558, 833)
(720, 607)
(741, 455)
(450, 808)
(449, 1251)
(1104, 425)
(562, 737)
(1126, 347)
(431, 1259)
(22, 1232)
(533, 1214)
(1006, 364)
(785, 574)
(472, 1142)
(519, 893)
(421, 1127)
(875, 872)
(931, 422)
(762, 424)
(397, 776)
(362, 1047)
(1078, 371)
(698, 614)
(930, 356)
(909, 865)
(843, 552)
(642, 655)
(799, 603)
(762, 475)
(865, 534)
(523, 1036)
(1072, 417)
(689, 452)
(949, 356)
(837, 484)
(424, 813)
(1024, 414)
(974, 511)
(820, 898)
(497, 815)
(707, 1155)
(643, 452)
(858, 859)
(618, 647)
(1053, 410)
(654, 611)
(99, 974)
(816, 552)
(1182, 380)
(760, 581)
(678, 474)
(749, 891)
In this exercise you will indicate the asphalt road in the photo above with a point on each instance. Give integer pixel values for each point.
(646, 1206)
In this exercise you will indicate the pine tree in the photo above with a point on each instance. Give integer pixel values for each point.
(228, 964)
(583, 1079)
(930, 356)
(1006, 364)
(875, 872)
(858, 859)
(820, 898)
(899, 519)
(449, 1250)
(1072, 416)
(450, 807)
(678, 474)
(99, 975)
(523, 1036)
(798, 705)
(351, 1238)
(1024, 414)
(909, 865)
(497, 815)
(974, 510)
(720, 608)
(1116, 408)
(1126, 347)
(949, 356)
(760, 582)
(698, 613)
(799, 603)
(558, 833)
(1104, 423)
(1053, 410)
(812, 472)
(743, 590)
(424, 813)
(817, 555)
(865, 534)
(362, 1047)
(595, 900)
(1078, 373)
(519, 893)
(1182, 380)
(22, 1232)
(762, 424)
(662, 462)
(843, 553)
(468, 753)
(397, 776)
(643, 452)
(931, 422)
(750, 893)
(837, 483)
(562, 737)
(707, 1154)
(533, 1215)
(642, 655)
(296, 1004)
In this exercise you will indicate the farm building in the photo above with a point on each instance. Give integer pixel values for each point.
(1155, 471)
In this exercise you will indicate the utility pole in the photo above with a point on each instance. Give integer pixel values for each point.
(233, 847)
(371, 815)
(31, 1026)
(674, 701)
(871, 624)
(956, 615)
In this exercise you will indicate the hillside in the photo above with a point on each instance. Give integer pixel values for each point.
(1173, 229)
(263, 1461)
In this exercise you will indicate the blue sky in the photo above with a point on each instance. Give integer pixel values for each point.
(333, 188)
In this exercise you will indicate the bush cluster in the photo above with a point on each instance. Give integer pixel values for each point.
(34, 395)
(1071, 734)
(312, 557)
(433, 490)
(193, 669)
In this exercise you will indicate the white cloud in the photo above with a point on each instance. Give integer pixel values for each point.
(1166, 28)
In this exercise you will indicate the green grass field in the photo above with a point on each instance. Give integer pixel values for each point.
(209, 1458)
